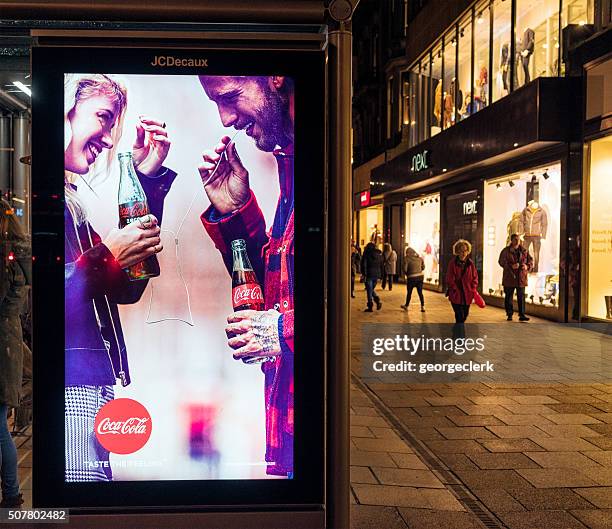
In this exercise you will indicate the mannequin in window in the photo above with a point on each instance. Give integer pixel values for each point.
(437, 111)
(515, 226)
(535, 224)
(449, 105)
(504, 67)
(482, 88)
(526, 51)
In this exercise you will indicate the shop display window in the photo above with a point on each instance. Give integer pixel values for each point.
(371, 226)
(423, 233)
(527, 203)
(482, 30)
(436, 90)
(537, 40)
(502, 25)
(450, 80)
(464, 68)
(577, 12)
(599, 236)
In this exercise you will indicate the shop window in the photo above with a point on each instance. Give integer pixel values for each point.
(482, 30)
(426, 99)
(502, 16)
(599, 90)
(599, 250)
(371, 226)
(450, 80)
(436, 90)
(464, 69)
(537, 40)
(423, 233)
(527, 203)
(577, 12)
(414, 104)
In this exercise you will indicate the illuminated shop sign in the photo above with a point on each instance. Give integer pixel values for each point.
(421, 161)
(364, 198)
(470, 207)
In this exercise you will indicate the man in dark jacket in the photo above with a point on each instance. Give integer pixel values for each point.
(517, 263)
(372, 270)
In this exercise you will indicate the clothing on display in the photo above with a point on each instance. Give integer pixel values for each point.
(437, 114)
(535, 225)
(515, 225)
(504, 66)
(482, 87)
(525, 52)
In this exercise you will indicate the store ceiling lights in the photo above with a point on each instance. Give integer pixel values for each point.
(480, 19)
(511, 183)
(498, 186)
(546, 175)
(534, 179)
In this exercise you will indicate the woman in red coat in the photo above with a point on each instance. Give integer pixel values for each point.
(461, 280)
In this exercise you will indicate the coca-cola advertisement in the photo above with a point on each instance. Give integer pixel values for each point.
(179, 277)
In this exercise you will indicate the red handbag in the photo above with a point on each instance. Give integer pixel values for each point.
(478, 300)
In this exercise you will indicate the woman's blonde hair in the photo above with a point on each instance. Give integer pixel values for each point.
(77, 88)
(462, 243)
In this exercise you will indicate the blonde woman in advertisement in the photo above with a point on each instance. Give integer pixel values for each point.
(95, 281)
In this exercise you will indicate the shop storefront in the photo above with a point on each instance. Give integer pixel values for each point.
(422, 233)
(370, 226)
(526, 203)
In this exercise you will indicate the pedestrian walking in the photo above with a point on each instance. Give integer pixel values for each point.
(372, 270)
(413, 270)
(355, 265)
(389, 265)
(517, 263)
(15, 272)
(461, 280)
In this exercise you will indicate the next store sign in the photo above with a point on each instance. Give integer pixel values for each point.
(421, 161)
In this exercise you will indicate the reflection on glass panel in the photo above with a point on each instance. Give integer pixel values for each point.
(426, 99)
(537, 40)
(450, 79)
(577, 12)
(481, 57)
(464, 70)
(414, 119)
(436, 90)
(502, 13)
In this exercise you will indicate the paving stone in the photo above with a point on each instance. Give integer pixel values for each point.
(492, 399)
(515, 432)
(548, 478)
(598, 496)
(569, 430)
(511, 445)
(511, 419)
(603, 457)
(442, 500)
(493, 479)
(603, 429)
(573, 408)
(448, 401)
(381, 445)
(549, 499)
(474, 432)
(438, 411)
(368, 459)
(408, 461)
(562, 460)
(594, 519)
(384, 433)
(600, 475)
(391, 496)
(579, 399)
(502, 461)
(498, 500)
(567, 444)
(482, 409)
(426, 434)
(426, 519)
(603, 417)
(606, 407)
(361, 431)
(533, 399)
(387, 386)
(541, 520)
(524, 409)
(365, 410)
(462, 446)
(406, 413)
(475, 420)
(431, 422)
(373, 517)
(605, 443)
(362, 475)
(457, 462)
(572, 418)
(365, 420)
(407, 477)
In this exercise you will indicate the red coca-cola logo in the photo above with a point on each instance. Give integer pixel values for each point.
(133, 210)
(248, 293)
(123, 426)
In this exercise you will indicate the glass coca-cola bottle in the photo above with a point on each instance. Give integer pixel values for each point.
(132, 205)
(246, 291)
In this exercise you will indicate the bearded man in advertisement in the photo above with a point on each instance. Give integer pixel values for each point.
(264, 106)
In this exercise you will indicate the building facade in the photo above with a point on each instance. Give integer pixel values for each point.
(495, 140)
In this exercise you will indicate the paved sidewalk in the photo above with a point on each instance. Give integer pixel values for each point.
(521, 456)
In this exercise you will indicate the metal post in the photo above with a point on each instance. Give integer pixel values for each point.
(339, 223)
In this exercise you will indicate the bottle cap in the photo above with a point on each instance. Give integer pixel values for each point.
(238, 244)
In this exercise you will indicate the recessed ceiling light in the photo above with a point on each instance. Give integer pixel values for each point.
(23, 88)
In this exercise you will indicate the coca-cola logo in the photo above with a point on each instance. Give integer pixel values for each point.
(123, 426)
(133, 210)
(249, 293)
